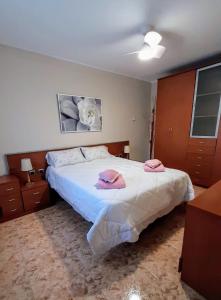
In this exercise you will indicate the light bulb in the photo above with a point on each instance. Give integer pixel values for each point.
(152, 38)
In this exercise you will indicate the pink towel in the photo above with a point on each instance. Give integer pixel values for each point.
(153, 163)
(160, 168)
(109, 175)
(119, 183)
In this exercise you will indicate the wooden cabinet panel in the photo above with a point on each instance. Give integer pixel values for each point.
(201, 260)
(173, 118)
(217, 160)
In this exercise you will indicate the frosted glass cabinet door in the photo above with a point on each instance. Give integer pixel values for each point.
(206, 108)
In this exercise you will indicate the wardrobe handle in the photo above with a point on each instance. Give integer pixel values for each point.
(10, 189)
(10, 200)
(36, 193)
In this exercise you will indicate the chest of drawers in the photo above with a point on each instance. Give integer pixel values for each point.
(10, 198)
(200, 157)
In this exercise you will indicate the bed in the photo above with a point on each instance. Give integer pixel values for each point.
(119, 215)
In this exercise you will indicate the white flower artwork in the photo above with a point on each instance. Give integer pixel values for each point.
(79, 114)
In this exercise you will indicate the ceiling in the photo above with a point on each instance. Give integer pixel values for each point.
(99, 33)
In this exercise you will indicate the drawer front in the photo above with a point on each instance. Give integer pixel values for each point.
(195, 158)
(209, 150)
(203, 142)
(200, 165)
(12, 206)
(35, 198)
(9, 188)
(202, 172)
(14, 198)
(201, 181)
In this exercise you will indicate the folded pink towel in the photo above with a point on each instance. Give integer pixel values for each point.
(160, 168)
(153, 163)
(119, 183)
(109, 175)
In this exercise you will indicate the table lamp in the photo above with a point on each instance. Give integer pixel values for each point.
(127, 151)
(26, 166)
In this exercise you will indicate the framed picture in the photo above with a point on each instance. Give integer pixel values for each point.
(79, 113)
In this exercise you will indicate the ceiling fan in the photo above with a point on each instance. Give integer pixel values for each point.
(151, 48)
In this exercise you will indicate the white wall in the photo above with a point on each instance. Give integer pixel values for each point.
(29, 115)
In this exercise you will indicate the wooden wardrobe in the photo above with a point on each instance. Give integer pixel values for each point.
(179, 124)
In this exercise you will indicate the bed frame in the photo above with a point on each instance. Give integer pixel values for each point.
(39, 162)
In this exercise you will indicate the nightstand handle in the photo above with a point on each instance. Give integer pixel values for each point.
(37, 202)
(36, 193)
(10, 189)
(10, 200)
(13, 209)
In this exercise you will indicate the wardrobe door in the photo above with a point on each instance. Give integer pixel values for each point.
(173, 118)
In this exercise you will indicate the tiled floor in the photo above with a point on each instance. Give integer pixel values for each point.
(45, 255)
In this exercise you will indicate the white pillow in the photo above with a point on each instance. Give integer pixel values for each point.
(65, 157)
(91, 153)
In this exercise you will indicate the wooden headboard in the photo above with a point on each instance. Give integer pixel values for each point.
(39, 162)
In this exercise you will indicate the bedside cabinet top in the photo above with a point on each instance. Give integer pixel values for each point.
(8, 179)
(210, 200)
(34, 185)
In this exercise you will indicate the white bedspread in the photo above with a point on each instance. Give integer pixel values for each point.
(119, 215)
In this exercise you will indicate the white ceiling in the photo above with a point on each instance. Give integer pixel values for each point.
(99, 33)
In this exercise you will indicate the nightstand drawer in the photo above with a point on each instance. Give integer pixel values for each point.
(12, 198)
(12, 207)
(36, 198)
(9, 189)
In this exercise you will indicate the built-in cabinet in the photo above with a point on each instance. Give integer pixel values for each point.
(173, 114)
(206, 107)
(187, 135)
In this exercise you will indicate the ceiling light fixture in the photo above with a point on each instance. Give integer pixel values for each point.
(146, 53)
(151, 48)
(152, 38)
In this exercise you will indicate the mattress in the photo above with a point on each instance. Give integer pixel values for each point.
(119, 215)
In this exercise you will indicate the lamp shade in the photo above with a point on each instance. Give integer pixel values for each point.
(127, 149)
(26, 165)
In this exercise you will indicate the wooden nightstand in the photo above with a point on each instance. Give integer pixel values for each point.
(35, 196)
(10, 198)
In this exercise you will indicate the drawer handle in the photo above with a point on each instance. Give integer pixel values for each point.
(9, 189)
(13, 209)
(200, 157)
(37, 202)
(10, 200)
(198, 165)
(36, 193)
(202, 142)
(200, 150)
(197, 172)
